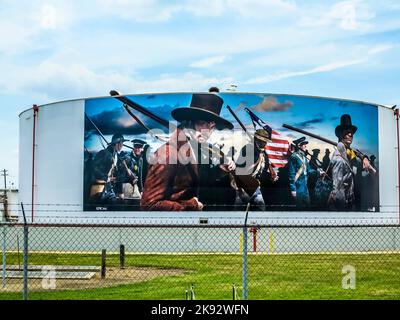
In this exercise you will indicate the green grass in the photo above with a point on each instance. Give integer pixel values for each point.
(316, 276)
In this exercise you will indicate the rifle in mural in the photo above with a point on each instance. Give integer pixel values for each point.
(247, 182)
(270, 166)
(358, 153)
(141, 123)
(139, 108)
(239, 122)
(100, 133)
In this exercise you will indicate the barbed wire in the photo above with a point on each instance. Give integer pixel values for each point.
(214, 205)
(150, 225)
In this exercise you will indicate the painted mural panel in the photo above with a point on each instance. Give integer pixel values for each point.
(222, 151)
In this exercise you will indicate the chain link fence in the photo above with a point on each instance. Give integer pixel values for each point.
(202, 262)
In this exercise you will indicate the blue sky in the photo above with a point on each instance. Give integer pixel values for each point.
(56, 50)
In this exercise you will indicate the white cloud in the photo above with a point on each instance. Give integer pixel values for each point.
(209, 8)
(140, 10)
(160, 11)
(319, 69)
(22, 23)
(208, 62)
(350, 15)
(66, 81)
(261, 8)
(48, 17)
(382, 48)
(328, 67)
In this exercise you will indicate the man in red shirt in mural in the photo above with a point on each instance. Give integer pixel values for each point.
(173, 179)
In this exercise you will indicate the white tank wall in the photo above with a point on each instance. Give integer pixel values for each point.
(58, 159)
(25, 158)
(59, 176)
(388, 162)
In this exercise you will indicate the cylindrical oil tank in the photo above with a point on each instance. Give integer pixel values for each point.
(72, 170)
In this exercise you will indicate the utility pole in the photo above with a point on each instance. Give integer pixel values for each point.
(5, 174)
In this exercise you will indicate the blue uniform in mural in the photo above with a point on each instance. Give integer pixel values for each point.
(299, 170)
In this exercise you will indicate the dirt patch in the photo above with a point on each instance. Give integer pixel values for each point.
(114, 276)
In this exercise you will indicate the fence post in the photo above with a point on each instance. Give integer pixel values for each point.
(122, 256)
(103, 263)
(244, 280)
(245, 263)
(26, 238)
(4, 255)
(192, 295)
(19, 258)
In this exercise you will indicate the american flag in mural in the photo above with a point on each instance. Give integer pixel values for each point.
(278, 150)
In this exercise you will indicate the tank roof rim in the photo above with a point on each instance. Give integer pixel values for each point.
(224, 92)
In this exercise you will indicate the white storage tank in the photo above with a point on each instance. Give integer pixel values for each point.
(67, 176)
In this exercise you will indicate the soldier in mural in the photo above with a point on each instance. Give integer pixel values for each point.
(129, 182)
(314, 162)
(343, 163)
(138, 159)
(173, 179)
(135, 163)
(104, 172)
(312, 179)
(254, 161)
(299, 172)
(326, 160)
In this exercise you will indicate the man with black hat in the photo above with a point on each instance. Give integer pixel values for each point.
(299, 171)
(343, 161)
(314, 159)
(253, 160)
(326, 160)
(312, 179)
(130, 168)
(173, 179)
(104, 165)
(137, 160)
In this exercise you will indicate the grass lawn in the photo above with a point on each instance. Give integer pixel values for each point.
(296, 276)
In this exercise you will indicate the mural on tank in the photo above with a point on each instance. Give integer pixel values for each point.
(221, 151)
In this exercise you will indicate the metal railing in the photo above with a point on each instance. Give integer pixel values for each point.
(138, 261)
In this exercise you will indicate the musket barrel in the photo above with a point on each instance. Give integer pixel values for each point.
(143, 110)
(100, 133)
(96, 128)
(309, 134)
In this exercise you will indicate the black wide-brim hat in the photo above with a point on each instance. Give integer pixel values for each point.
(117, 138)
(138, 142)
(263, 135)
(345, 124)
(204, 106)
(299, 142)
